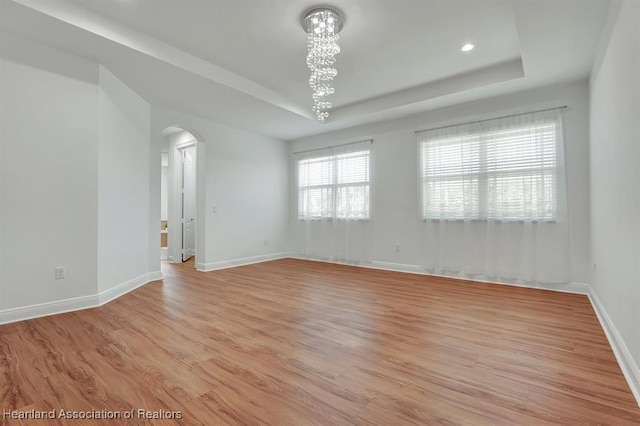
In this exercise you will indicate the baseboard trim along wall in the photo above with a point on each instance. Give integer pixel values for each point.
(224, 264)
(578, 288)
(76, 303)
(49, 308)
(124, 288)
(627, 364)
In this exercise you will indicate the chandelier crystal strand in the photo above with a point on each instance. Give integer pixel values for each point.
(322, 26)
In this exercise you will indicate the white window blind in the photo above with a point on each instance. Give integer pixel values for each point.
(334, 182)
(503, 169)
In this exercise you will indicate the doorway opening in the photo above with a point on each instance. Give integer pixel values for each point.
(164, 201)
(187, 194)
(179, 196)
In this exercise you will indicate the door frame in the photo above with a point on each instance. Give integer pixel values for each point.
(183, 152)
(174, 246)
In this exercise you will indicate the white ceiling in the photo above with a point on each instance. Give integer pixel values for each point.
(242, 62)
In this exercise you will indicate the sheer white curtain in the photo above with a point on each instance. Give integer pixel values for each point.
(494, 199)
(333, 209)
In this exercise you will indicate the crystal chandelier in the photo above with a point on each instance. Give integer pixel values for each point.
(322, 26)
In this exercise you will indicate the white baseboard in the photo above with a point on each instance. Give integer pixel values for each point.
(76, 303)
(627, 364)
(578, 288)
(397, 267)
(49, 308)
(124, 288)
(214, 266)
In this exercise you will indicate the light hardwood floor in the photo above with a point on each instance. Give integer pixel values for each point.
(298, 342)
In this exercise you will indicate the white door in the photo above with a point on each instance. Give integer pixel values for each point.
(188, 202)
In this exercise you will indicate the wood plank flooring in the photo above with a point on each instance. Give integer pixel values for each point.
(304, 343)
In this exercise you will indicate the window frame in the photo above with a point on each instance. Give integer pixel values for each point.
(333, 185)
(484, 177)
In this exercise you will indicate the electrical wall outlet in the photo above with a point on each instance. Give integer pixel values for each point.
(60, 273)
(266, 243)
(397, 247)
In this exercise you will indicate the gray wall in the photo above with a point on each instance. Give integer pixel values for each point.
(615, 178)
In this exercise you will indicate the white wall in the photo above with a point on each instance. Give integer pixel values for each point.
(74, 182)
(245, 177)
(48, 179)
(123, 183)
(615, 178)
(395, 208)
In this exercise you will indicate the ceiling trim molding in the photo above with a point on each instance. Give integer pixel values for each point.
(87, 20)
(498, 73)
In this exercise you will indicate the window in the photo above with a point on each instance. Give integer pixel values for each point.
(334, 183)
(503, 169)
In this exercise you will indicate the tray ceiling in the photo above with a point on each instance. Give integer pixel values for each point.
(242, 62)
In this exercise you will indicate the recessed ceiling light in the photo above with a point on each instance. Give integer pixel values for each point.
(467, 47)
